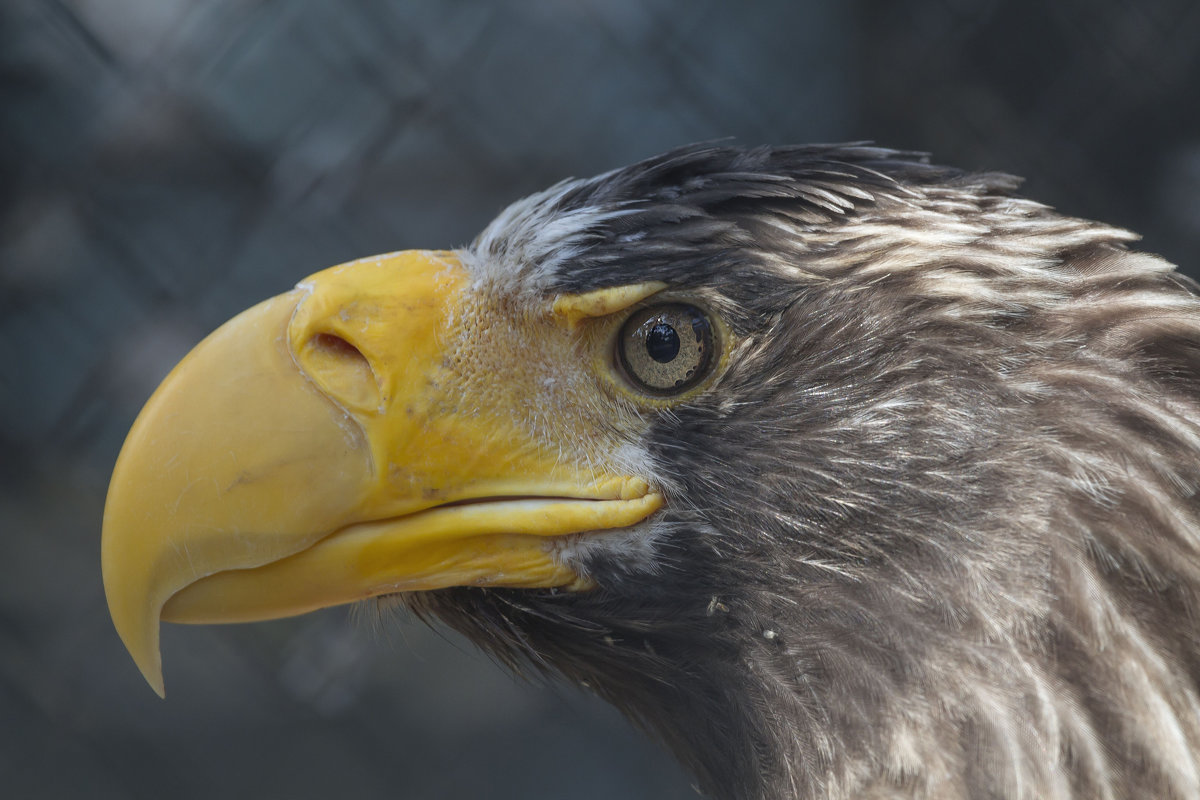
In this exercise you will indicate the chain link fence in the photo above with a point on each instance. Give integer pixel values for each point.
(166, 163)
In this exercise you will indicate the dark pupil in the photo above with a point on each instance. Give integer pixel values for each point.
(662, 343)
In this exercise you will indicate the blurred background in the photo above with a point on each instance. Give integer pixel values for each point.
(167, 163)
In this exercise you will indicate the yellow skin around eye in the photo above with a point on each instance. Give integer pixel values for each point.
(600, 316)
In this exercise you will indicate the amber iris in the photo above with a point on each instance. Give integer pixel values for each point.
(666, 349)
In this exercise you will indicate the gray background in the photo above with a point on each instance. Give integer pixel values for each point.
(166, 163)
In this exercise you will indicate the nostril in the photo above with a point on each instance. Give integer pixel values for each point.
(334, 346)
(341, 369)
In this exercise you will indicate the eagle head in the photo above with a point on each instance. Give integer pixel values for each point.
(846, 474)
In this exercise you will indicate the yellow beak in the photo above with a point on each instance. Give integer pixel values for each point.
(319, 449)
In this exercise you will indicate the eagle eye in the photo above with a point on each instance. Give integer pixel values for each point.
(666, 349)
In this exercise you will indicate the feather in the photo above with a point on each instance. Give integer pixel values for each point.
(934, 531)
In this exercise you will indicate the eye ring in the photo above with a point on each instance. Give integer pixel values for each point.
(666, 349)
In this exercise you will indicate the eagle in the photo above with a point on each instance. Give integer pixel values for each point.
(845, 474)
